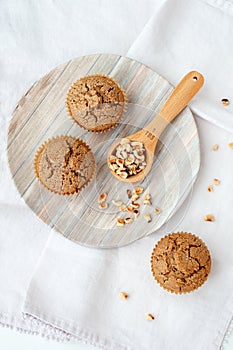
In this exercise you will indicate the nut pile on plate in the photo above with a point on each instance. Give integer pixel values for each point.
(129, 158)
(132, 208)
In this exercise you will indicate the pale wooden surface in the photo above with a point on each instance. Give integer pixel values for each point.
(41, 114)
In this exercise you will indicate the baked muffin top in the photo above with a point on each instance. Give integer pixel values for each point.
(180, 262)
(96, 102)
(64, 164)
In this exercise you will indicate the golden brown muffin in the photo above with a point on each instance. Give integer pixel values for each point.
(64, 165)
(96, 102)
(180, 262)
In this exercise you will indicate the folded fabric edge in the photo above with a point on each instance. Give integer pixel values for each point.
(32, 326)
(47, 330)
(228, 333)
(226, 328)
(204, 116)
(52, 328)
(224, 5)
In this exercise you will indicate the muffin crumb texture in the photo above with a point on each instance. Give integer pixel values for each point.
(96, 102)
(65, 165)
(180, 262)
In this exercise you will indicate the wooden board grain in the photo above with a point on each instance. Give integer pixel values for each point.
(41, 114)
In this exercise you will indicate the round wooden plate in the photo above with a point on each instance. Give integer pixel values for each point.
(41, 114)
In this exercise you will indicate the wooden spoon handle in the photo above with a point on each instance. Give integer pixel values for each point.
(180, 97)
(183, 93)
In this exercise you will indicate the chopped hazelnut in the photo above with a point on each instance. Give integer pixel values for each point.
(123, 295)
(130, 209)
(128, 159)
(120, 222)
(135, 205)
(103, 205)
(129, 194)
(117, 203)
(123, 207)
(216, 182)
(225, 101)
(209, 217)
(147, 202)
(147, 196)
(135, 197)
(138, 190)
(150, 317)
(147, 217)
(215, 147)
(128, 220)
(157, 211)
(102, 197)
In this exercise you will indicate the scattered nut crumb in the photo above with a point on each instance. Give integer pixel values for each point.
(210, 188)
(147, 196)
(123, 207)
(147, 202)
(124, 295)
(135, 197)
(129, 194)
(103, 205)
(148, 217)
(135, 205)
(112, 159)
(215, 147)
(209, 217)
(136, 213)
(117, 203)
(157, 210)
(102, 197)
(138, 190)
(120, 222)
(230, 144)
(128, 220)
(113, 167)
(216, 182)
(130, 209)
(225, 101)
(150, 317)
(120, 163)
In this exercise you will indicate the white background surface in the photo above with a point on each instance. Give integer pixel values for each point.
(16, 74)
(12, 340)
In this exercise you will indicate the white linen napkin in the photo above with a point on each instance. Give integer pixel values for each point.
(34, 38)
(77, 289)
(185, 35)
(74, 290)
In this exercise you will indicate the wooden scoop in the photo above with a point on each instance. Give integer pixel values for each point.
(149, 135)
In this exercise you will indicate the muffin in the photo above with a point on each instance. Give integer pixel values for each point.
(96, 102)
(64, 165)
(180, 262)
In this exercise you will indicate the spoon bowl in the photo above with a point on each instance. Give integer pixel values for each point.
(149, 135)
(149, 159)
